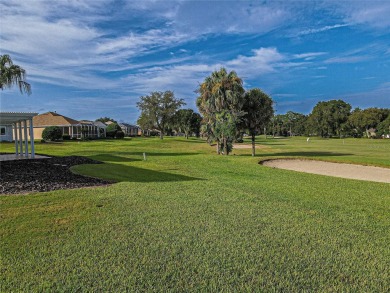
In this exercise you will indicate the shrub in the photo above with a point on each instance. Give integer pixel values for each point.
(66, 137)
(119, 134)
(112, 129)
(52, 133)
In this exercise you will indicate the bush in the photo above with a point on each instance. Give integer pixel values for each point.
(52, 133)
(112, 129)
(119, 134)
(66, 137)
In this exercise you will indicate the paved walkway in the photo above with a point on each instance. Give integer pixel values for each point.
(12, 157)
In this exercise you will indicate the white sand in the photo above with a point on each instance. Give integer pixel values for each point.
(350, 171)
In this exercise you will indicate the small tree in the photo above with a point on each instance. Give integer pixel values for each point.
(52, 133)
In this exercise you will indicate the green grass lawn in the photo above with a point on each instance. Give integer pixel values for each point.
(188, 220)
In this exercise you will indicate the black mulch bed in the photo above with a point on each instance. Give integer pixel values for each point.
(37, 175)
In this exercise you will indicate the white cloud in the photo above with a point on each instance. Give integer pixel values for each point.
(321, 29)
(373, 13)
(186, 77)
(205, 17)
(347, 59)
(309, 56)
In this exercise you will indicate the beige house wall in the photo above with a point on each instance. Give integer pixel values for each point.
(38, 132)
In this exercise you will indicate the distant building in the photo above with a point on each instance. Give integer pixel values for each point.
(69, 126)
(130, 130)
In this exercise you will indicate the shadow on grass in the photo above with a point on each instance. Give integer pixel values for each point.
(113, 158)
(121, 173)
(192, 141)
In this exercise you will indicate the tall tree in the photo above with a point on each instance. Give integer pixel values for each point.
(159, 108)
(384, 127)
(363, 120)
(327, 118)
(187, 121)
(258, 112)
(220, 101)
(196, 122)
(11, 74)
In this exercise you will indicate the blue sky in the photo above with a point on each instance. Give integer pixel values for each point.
(92, 58)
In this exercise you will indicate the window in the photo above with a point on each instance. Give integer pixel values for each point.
(2, 130)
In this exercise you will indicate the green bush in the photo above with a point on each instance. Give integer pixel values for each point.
(52, 133)
(112, 129)
(119, 134)
(66, 137)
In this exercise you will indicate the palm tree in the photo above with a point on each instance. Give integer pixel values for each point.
(258, 112)
(11, 74)
(220, 92)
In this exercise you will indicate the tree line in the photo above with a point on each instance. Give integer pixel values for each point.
(228, 111)
(334, 118)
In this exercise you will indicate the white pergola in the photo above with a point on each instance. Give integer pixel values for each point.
(21, 122)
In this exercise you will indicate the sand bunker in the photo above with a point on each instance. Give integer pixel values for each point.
(350, 171)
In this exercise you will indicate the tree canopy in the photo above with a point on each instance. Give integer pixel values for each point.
(258, 108)
(220, 102)
(13, 75)
(328, 118)
(158, 109)
(106, 119)
(187, 122)
(363, 120)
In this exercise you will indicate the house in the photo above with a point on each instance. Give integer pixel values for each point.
(102, 128)
(130, 130)
(6, 133)
(93, 129)
(69, 126)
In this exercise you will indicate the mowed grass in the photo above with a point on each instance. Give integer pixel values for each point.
(188, 220)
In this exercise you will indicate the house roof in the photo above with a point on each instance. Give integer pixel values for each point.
(53, 119)
(127, 125)
(100, 124)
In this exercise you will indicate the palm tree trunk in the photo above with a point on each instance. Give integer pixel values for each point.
(253, 145)
(225, 146)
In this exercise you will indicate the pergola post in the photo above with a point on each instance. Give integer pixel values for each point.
(20, 120)
(25, 138)
(20, 138)
(16, 139)
(32, 139)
